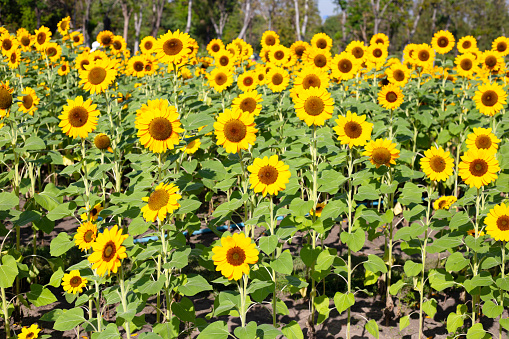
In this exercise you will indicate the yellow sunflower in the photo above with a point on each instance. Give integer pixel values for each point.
(353, 130)
(317, 58)
(78, 118)
(72, 282)
(381, 152)
(357, 49)
(42, 36)
(247, 81)
(108, 251)
(424, 56)
(93, 214)
(220, 78)
(103, 142)
(77, 38)
(224, 58)
(490, 98)
(85, 235)
(501, 45)
(398, 74)
(478, 168)
(235, 130)
(314, 105)
(28, 101)
(298, 48)
(444, 203)
(5, 98)
(437, 164)
(269, 38)
(98, 76)
(7, 43)
(344, 66)
(390, 97)
(492, 61)
(214, 46)
(277, 79)
(81, 61)
(307, 78)
(172, 47)
(64, 68)
(162, 201)
(25, 39)
(235, 255)
(467, 44)
(482, 138)
(443, 42)
(377, 55)
(53, 51)
(249, 102)
(380, 38)
(192, 146)
(63, 25)
(105, 38)
(268, 175)
(147, 44)
(13, 58)
(278, 55)
(466, 65)
(158, 126)
(497, 222)
(118, 44)
(318, 210)
(31, 332)
(136, 66)
(321, 41)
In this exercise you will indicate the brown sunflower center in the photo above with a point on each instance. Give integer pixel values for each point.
(235, 256)
(466, 64)
(160, 128)
(490, 61)
(381, 155)
(13, 58)
(311, 80)
(478, 167)
(489, 98)
(268, 175)
(248, 81)
(501, 46)
(391, 97)
(76, 38)
(377, 53)
(106, 40)
(7, 44)
(158, 199)
(224, 60)
(102, 141)
(353, 129)
(279, 55)
(25, 40)
(437, 164)
(442, 204)
(75, 281)
(321, 43)
(41, 38)
(220, 78)
(97, 75)
(63, 68)
(503, 223)
(299, 50)
(261, 76)
(466, 44)
(5, 98)
(172, 46)
(423, 55)
(379, 41)
(314, 106)
(117, 45)
(248, 105)
(442, 42)
(270, 40)
(320, 60)
(398, 75)
(64, 25)
(358, 52)
(78, 116)
(84, 63)
(109, 251)
(30, 335)
(138, 66)
(89, 236)
(235, 130)
(277, 79)
(27, 101)
(52, 51)
(318, 209)
(215, 48)
(345, 65)
(483, 141)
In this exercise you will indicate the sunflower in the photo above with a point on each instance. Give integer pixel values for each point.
(53, 51)
(220, 78)
(105, 38)
(353, 130)
(77, 38)
(390, 97)
(192, 146)
(98, 76)
(277, 79)
(72, 282)
(31, 332)
(424, 56)
(103, 142)
(172, 47)
(136, 66)
(381, 152)
(298, 48)
(490, 98)
(233, 49)
(215, 46)
(268, 175)
(248, 102)
(235, 130)
(64, 68)
(443, 42)
(81, 61)
(225, 58)
(357, 49)
(93, 214)
(497, 222)
(147, 44)
(318, 210)
(309, 77)
(466, 65)
(409, 53)
(314, 105)
(63, 25)
(380, 38)
(377, 54)
(398, 74)
(85, 235)
(492, 61)
(269, 38)
(28, 101)
(235, 255)
(7, 43)
(278, 55)
(321, 41)
(444, 203)
(247, 81)
(478, 168)
(317, 58)
(118, 44)
(467, 44)
(25, 39)
(13, 58)
(5, 98)
(108, 251)
(501, 45)
(42, 36)
(437, 164)
(78, 118)
(344, 66)
(162, 201)
(482, 138)
(158, 126)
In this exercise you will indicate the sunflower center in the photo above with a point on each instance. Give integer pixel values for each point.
(248, 105)
(391, 97)
(63, 26)
(41, 38)
(377, 53)
(117, 45)
(489, 98)
(261, 76)
(7, 44)
(63, 68)
(223, 61)
(148, 67)
(158, 199)
(423, 55)
(314, 106)
(491, 61)
(320, 60)
(235, 130)
(30, 335)
(248, 81)
(89, 236)
(483, 141)
(501, 46)
(27, 101)
(52, 51)
(311, 81)
(84, 63)
(13, 58)
(270, 41)
(75, 281)
(321, 43)
(300, 50)
(381, 155)
(442, 204)
(345, 65)
(379, 41)
(466, 44)
(138, 66)
(25, 40)
(5, 98)
(353, 129)
(466, 64)
(76, 38)
(78, 116)
(220, 78)
(102, 141)
(172, 46)
(277, 79)
(215, 48)
(106, 40)
(97, 75)
(503, 223)
(358, 52)
(235, 256)
(442, 42)
(109, 251)
(160, 128)
(399, 75)
(279, 55)
(318, 209)
(437, 164)
(268, 175)
(478, 167)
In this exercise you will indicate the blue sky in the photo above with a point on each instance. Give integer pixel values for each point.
(326, 8)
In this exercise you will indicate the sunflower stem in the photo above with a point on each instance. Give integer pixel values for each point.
(242, 290)
(159, 265)
(85, 174)
(98, 305)
(423, 258)
(390, 241)
(314, 197)
(123, 293)
(475, 268)
(502, 272)
(6, 314)
(350, 222)
(274, 295)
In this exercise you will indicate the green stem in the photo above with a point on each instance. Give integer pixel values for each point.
(475, 268)
(242, 290)
(423, 258)
(500, 330)
(98, 306)
(390, 240)
(123, 293)
(314, 197)
(350, 223)
(6, 314)
(271, 227)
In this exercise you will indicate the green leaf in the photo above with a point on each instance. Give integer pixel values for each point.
(56, 278)
(309, 255)
(138, 226)
(459, 219)
(375, 264)
(168, 330)
(456, 262)
(404, 322)
(188, 206)
(330, 181)
(8, 201)
(179, 259)
(151, 287)
(343, 301)
(411, 193)
(440, 279)
(454, 321)
(40, 296)
(49, 199)
(61, 244)
(194, 285)
(8, 271)
(483, 279)
(256, 285)
(372, 327)
(34, 143)
(355, 240)
(366, 193)
(492, 310)
(216, 330)
(26, 217)
(412, 269)
(62, 210)
(268, 244)
(267, 331)
(247, 332)
(325, 259)
(184, 310)
(477, 244)
(322, 307)
(292, 331)
(396, 287)
(504, 322)
(283, 264)
(110, 332)
(477, 332)
(430, 307)
(300, 207)
(69, 319)
(503, 283)
(370, 278)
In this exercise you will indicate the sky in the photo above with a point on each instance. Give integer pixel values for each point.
(326, 8)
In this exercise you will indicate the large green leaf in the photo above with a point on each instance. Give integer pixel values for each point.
(372, 327)
(292, 331)
(40, 296)
(216, 330)
(49, 199)
(61, 244)
(69, 319)
(343, 301)
(8, 201)
(375, 264)
(283, 264)
(184, 309)
(194, 285)
(8, 271)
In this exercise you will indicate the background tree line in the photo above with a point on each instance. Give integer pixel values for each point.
(404, 21)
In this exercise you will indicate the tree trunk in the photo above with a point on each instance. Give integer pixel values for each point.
(157, 14)
(411, 33)
(247, 19)
(434, 19)
(189, 15)
(297, 20)
(126, 13)
(305, 21)
(38, 15)
(86, 22)
(138, 18)
(344, 38)
(377, 14)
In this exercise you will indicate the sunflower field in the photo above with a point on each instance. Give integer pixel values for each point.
(187, 193)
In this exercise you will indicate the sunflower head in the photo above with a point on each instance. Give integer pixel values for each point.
(108, 251)
(390, 97)
(234, 256)
(381, 152)
(270, 38)
(483, 138)
(31, 332)
(162, 201)
(79, 117)
(73, 282)
(353, 130)
(437, 164)
(5, 97)
(443, 42)
(478, 168)
(444, 203)
(235, 130)
(314, 105)
(497, 222)
(268, 175)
